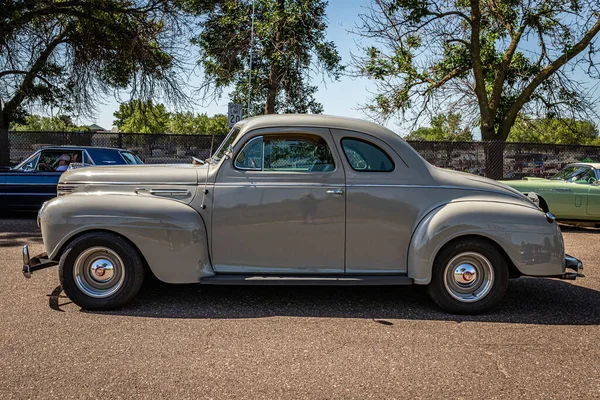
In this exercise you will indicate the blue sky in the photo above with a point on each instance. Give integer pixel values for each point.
(338, 98)
(342, 97)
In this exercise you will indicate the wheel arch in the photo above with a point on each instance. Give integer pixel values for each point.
(512, 269)
(77, 234)
(171, 236)
(530, 244)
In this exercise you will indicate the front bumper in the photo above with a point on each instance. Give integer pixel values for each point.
(574, 264)
(32, 264)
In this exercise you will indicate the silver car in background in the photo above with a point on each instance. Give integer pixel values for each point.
(297, 200)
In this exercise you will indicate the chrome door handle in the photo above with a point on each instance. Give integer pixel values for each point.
(335, 191)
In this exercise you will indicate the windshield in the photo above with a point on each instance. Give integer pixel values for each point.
(131, 158)
(224, 147)
(574, 173)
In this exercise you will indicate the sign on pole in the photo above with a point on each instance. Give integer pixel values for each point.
(234, 113)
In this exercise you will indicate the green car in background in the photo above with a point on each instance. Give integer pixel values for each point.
(573, 194)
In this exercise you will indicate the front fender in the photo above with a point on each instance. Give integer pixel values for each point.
(534, 245)
(171, 236)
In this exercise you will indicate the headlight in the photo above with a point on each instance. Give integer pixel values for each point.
(39, 214)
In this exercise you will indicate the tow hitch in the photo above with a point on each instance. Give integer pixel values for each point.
(32, 264)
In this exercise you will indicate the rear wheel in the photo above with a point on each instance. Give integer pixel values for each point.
(469, 276)
(101, 271)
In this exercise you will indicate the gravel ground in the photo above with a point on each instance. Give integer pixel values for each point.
(313, 343)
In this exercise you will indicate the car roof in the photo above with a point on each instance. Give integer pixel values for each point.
(80, 148)
(316, 120)
(593, 165)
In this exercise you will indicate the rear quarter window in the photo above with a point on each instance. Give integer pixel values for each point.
(366, 157)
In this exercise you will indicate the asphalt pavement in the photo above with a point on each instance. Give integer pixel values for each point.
(187, 341)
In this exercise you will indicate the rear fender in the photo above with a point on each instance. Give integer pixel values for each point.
(170, 235)
(534, 245)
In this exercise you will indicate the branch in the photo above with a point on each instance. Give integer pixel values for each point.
(40, 63)
(475, 47)
(452, 74)
(549, 70)
(504, 65)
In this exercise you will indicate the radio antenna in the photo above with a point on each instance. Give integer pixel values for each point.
(205, 191)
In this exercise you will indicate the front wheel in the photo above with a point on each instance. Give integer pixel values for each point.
(469, 276)
(101, 271)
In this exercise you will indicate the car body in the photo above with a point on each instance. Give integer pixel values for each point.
(32, 182)
(572, 194)
(297, 200)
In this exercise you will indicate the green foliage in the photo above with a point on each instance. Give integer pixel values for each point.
(60, 123)
(444, 127)
(554, 130)
(492, 59)
(145, 117)
(289, 44)
(69, 54)
(199, 124)
(139, 116)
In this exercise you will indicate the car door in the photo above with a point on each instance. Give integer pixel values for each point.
(34, 183)
(279, 205)
(593, 203)
(382, 204)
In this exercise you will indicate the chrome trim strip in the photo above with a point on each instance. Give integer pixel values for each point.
(169, 192)
(280, 184)
(126, 183)
(437, 187)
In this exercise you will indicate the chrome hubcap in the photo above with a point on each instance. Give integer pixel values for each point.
(469, 277)
(99, 272)
(102, 270)
(465, 274)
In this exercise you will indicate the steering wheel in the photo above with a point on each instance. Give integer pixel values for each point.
(45, 167)
(252, 162)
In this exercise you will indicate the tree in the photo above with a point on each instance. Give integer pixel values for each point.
(61, 123)
(66, 54)
(492, 59)
(139, 116)
(200, 124)
(289, 47)
(444, 127)
(554, 130)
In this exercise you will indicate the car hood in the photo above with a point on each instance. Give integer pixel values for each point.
(530, 182)
(447, 177)
(173, 174)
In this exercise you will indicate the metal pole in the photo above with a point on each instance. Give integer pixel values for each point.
(250, 73)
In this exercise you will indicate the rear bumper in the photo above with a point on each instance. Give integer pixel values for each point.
(575, 265)
(32, 264)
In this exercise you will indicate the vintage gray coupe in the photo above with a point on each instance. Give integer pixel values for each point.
(297, 200)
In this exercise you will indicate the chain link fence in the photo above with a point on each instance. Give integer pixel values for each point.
(152, 148)
(492, 159)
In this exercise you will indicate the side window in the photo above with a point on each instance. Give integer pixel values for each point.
(58, 160)
(293, 154)
(30, 164)
(364, 156)
(251, 156)
(298, 155)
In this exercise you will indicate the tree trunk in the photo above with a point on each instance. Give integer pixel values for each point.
(275, 67)
(494, 152)
(494, 159)
(4, 144)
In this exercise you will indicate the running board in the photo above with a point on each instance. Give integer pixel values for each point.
(308, 280)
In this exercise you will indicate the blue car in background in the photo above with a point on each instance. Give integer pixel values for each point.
(32, 182)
